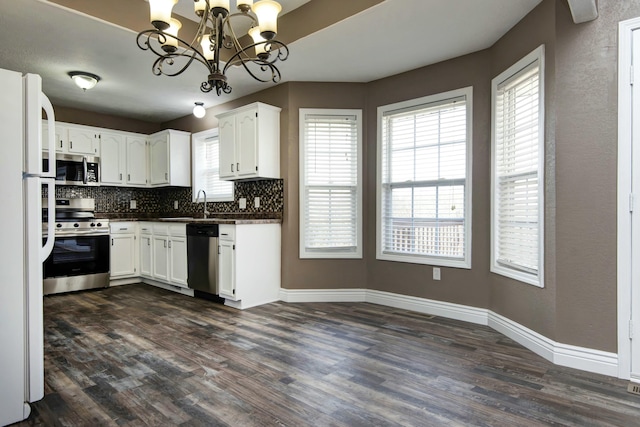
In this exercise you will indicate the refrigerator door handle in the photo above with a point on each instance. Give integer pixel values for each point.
(46, 249)
(51, 126)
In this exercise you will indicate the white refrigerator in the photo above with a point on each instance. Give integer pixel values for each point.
(23, 247)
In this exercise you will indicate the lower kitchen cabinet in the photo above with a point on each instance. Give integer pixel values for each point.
(146, 238)
(168, 250)
(249, 264)
(123, 252)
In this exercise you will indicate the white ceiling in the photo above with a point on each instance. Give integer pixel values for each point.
(389, 38)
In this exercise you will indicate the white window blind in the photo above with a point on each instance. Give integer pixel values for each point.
(424, 187)
(330, 184)
(206, 169)
(518, 163)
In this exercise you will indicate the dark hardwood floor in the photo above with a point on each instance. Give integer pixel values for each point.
(137, 355)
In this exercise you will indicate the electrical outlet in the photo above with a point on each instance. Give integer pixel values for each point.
(436, 273)
(256, 202)
(133, 204)
(243, 203)
(175, 204)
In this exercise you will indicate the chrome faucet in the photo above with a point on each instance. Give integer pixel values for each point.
(206, 212)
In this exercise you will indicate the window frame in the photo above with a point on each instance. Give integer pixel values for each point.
(418, 103)
(200, 138)
(330, 254)
(511, 73)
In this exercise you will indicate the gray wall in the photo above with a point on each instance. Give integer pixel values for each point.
(578, 304)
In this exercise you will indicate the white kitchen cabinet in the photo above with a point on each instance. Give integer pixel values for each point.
(249, 264)
(178, 260)
(169, 253)
(170, 159)
(83, 141)
(123, 251)
(136, 159)
(146, 254)
(250, 142)
(60, 137)
(113, 158)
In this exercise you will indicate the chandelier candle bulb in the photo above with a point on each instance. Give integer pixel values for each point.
(200, 6)
(161, 12)
(171, 43)
(219, 6)
(257, 38)
(267, 12)
(206, 47)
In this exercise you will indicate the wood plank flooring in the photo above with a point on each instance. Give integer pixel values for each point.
(138, 355)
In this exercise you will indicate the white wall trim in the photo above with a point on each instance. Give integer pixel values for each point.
(582, 358)
(624, 268)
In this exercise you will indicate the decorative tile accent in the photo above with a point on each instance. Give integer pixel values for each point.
(158, 202)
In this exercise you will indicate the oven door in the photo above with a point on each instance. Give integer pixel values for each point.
(78, 255)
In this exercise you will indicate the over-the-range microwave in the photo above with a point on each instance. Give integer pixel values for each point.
(74, 169)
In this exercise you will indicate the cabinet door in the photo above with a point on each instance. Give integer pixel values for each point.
(160, 259)
(136, 161)
(226, 128)
(145, 255)
(159, 160)
(247, 144)
(61, 137)
(82, 141)
(122, 255)
(178, 260)
(112, 158)
(227, 270)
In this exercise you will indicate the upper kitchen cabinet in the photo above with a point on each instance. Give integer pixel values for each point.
(169, 159)
(83, 141)
(113, 158)
(250, 142)
(136, 160)
(60, 137)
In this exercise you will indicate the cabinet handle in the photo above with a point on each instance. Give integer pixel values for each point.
(238, 167)
(148, 242)
(231, 167)
(166, 176)
(70, 144)
(165, 243)
(218, 249)
(120, 177)
(169, 244)
(128, 177)
(60, 143)
(111, 242)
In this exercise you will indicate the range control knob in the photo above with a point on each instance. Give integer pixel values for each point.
(59, 225)
(76, 225)
(99, 224)
(93, 224)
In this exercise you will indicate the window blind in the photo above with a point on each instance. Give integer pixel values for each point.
(517, 162)
(424, 180)
(330, 183)
(207, 170)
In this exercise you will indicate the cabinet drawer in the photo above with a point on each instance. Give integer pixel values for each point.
(160, 229)
(178, 230)
(227, 232)
(122, 227)
(146, 227)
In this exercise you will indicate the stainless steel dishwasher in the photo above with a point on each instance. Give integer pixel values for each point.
(202, 257)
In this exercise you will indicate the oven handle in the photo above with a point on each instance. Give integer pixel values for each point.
(81, 233)
(46, 249)
(84, 166)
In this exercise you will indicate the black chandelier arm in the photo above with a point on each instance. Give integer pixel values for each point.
(230, 42)
(168, 57)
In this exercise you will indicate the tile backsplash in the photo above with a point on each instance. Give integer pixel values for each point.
(160, 201)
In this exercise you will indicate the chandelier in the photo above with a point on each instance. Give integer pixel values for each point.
(216, 35)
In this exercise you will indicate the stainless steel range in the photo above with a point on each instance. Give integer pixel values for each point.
(80, 256)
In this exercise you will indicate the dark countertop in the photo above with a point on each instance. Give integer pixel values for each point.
(268, 218)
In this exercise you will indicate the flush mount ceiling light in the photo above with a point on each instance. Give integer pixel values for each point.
(214, 35)
(199, 110)
(84, 80)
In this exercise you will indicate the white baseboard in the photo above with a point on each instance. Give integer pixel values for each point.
(178, 289)
(582, 358)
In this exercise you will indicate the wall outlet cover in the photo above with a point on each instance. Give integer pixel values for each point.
(436, 273)
(133, 204)
(256, 202)
(175, 204)
(243, 203)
